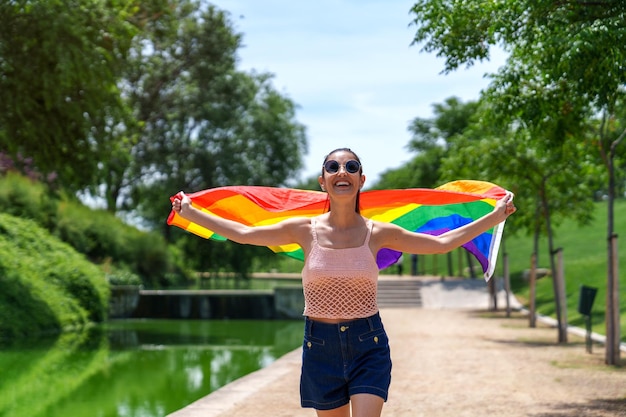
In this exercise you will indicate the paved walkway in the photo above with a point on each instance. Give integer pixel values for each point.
(453, 357)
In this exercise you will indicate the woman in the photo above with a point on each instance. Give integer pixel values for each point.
(345, 360)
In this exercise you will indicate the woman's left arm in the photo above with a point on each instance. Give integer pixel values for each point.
(394, 237)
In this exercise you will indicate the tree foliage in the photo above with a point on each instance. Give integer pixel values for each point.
(567, 59)
(566, 66)
(515, 158)
(59, 66)
(200, 122)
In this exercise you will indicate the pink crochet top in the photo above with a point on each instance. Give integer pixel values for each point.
(340, 283)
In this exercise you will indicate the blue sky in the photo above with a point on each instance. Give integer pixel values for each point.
(350, 67)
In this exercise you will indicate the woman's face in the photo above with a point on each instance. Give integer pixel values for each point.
(341, 174)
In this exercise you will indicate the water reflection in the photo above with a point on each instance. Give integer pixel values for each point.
(136, 368)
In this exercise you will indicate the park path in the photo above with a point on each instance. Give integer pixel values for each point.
(453, 357)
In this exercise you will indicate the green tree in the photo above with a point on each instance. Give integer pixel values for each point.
(59, 66)
(198, 123)
(544, 181)
(574, 51)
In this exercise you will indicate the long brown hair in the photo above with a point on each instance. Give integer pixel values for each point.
(357, 207)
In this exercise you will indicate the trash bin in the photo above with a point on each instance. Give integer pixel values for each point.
(587, 296)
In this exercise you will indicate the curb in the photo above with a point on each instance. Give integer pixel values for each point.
(596, 337)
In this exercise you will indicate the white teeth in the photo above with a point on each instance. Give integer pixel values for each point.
(342, 183)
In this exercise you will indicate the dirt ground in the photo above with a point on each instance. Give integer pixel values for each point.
(454, 363)
(475, 363)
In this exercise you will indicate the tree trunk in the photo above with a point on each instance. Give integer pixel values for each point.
(532, 302)
(562, 334)
(612, 356)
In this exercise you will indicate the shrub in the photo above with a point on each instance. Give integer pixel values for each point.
(120, 276)
(26, 198)
(46, 285)
(95, 233)
(101, 236)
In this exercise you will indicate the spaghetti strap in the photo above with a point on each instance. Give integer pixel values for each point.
(313, 231)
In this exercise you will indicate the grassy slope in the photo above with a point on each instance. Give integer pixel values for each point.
(585, 258)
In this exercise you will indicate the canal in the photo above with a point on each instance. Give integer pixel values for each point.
(136, 368)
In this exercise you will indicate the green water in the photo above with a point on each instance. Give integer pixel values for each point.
(135, 368)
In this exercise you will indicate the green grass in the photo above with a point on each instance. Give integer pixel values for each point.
(585, 257)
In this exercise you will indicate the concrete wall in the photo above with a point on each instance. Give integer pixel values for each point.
(280, 303)
(124, 301)
(288, 302)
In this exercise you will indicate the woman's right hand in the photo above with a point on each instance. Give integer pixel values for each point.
(180, 202)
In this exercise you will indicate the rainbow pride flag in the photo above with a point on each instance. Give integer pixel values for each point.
(432, 211)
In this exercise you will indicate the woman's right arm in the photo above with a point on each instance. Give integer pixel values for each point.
(282, 233)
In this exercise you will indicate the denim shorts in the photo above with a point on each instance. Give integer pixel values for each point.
(343, 359)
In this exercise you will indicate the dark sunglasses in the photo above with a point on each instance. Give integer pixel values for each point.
(352, 166)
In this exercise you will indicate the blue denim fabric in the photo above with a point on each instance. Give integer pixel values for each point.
(343, 359)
